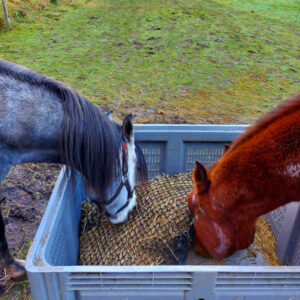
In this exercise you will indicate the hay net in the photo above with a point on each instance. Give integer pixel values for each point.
(157, 231)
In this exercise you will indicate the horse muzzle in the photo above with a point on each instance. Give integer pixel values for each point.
(122, 215)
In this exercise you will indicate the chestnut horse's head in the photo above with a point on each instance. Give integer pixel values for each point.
(216, 232)
(256, 175)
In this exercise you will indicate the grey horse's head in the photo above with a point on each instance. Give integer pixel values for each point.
(119, 197)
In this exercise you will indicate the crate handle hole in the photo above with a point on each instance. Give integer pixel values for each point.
(201, 299)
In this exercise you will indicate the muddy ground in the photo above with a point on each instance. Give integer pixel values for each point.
(24, 197)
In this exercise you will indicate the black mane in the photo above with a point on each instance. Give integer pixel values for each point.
(89, 141)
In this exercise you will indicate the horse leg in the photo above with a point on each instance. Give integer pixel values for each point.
(14, 268)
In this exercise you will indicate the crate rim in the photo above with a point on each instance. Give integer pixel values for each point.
(162, 269)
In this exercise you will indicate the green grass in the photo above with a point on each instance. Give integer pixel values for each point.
(209, 61)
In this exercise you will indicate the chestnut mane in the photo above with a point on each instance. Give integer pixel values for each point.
(284, 109)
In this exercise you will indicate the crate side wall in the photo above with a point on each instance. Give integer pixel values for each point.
(187, 143)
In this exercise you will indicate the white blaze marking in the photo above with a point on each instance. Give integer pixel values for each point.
(131, 162)
(224, 242)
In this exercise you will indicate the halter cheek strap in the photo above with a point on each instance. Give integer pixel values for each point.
(124, 181)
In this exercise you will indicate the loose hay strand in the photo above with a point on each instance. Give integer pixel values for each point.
(266, 242)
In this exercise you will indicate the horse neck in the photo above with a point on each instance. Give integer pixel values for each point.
(263, 174)
(247, 198)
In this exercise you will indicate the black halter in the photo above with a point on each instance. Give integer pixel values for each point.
(124, 181)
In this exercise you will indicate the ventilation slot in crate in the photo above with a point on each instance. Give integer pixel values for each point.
(154, 153)
(130, 281)
(258, 281)
(206, 153)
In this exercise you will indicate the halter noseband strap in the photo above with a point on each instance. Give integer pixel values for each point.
(124, 181)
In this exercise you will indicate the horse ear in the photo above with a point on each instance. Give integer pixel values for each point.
(109, 114)
(226, 147)
(200, 178)
(127, 128)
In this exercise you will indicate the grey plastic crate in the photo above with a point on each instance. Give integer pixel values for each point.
(51, 261)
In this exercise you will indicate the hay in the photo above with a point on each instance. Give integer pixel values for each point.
(158, 230)
(265, 242)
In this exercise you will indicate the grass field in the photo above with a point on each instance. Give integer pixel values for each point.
(165, 61)
(222, 61)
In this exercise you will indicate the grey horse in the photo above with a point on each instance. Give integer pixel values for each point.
(42, 120)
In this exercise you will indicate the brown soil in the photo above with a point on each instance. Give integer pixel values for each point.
(24, 197)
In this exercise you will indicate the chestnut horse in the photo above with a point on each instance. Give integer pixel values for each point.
(258, 173)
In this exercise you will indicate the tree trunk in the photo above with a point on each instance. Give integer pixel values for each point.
(6, 13)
